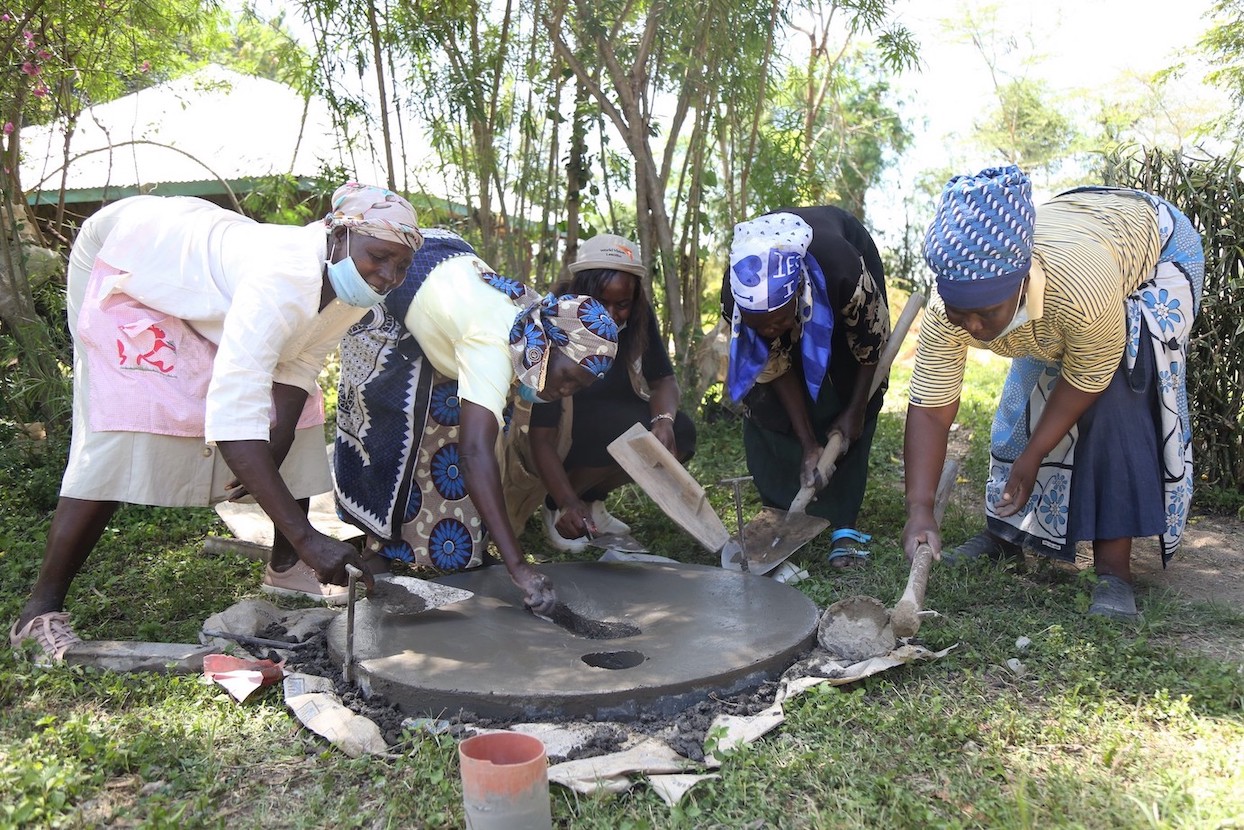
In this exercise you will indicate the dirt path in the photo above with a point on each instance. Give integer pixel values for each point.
(1207, 567)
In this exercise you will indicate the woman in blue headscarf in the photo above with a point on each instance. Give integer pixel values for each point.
(805, 294)
(1093, 297)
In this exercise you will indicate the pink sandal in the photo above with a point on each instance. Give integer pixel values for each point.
(52, 632)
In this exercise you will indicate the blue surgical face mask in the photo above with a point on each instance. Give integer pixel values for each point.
(528, 394)
(348, 284)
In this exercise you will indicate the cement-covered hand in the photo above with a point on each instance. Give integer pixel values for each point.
(538, 594)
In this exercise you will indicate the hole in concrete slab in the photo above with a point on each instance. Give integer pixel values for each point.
(614, 659)
(576, 623)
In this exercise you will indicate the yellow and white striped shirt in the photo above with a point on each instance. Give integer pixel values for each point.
(1090, 251)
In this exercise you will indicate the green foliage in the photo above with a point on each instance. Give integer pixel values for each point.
(1027, 128)
(286, 200)
(254, 46)
(38, 390)
(835, 157)
(73, 54)
(1208, 191)
(1223, 45)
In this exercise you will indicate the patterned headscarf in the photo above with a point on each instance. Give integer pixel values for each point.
(766, 260)
(374, 211)
(769, 266)
(980, 242)
(576, 325)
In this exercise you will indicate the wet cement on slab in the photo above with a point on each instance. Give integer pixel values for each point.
(633, 638)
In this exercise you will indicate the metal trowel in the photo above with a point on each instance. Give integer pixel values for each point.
(402, 595)
(624, 542)
(774, 535)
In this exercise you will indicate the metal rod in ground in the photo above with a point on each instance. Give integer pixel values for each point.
(242, 639)
(736, 483)
(347, 664)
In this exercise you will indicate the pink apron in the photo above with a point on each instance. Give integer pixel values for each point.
(148, 371)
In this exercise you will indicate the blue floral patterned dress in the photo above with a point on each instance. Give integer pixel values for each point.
(397, 463)
(1125, 468)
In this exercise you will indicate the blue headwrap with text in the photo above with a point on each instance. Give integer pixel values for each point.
(770, 267)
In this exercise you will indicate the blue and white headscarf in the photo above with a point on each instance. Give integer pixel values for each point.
(577, 325)
(980, 242)
(770, 267)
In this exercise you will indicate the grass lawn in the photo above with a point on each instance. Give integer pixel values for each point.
(1105, 726)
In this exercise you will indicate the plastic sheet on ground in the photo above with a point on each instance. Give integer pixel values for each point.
(559, 739)
(241, 677)
(610, 773)
(672, 788)
(732, 731)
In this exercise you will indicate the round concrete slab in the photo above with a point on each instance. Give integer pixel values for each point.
(647, 638)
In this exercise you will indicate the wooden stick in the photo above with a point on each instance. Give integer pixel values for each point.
(905, 618)
(837, 443)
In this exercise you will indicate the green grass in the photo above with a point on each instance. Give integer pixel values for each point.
(1107, 726)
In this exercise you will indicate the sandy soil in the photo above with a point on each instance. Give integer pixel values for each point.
(1206, 569)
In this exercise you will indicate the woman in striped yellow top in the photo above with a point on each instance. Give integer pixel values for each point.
(1093, 297)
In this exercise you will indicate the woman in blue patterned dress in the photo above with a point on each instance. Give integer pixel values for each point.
(425, 379)
(1093, 295)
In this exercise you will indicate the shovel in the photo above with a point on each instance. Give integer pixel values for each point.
(859, 627)
(791, 529)
(395, 595)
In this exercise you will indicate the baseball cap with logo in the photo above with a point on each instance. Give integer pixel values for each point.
(608, 250)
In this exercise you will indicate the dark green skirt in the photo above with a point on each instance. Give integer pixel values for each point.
(774, 458)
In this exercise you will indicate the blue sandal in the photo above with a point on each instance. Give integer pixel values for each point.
(847, 555)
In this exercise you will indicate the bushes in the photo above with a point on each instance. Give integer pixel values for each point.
(1209, 191)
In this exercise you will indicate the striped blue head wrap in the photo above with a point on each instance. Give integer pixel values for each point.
(980, 242)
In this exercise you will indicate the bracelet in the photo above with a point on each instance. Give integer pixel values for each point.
(663, 416)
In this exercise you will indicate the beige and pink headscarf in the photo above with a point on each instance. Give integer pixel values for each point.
(374, 211)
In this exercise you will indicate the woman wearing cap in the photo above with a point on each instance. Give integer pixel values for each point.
(198, 337)
(1093, 297)
(806, 297)
(569, 439)
(425, 379)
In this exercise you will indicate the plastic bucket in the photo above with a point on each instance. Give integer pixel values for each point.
(505, 782)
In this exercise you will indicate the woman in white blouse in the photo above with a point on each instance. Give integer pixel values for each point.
(198, 336)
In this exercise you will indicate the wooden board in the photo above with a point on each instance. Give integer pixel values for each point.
(675, 491)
